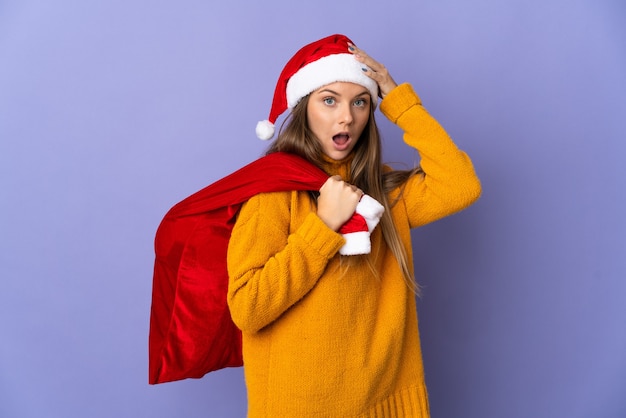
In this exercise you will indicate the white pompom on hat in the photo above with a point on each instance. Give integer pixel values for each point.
(315, 65)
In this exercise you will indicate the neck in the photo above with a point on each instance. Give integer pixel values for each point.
(338, 167)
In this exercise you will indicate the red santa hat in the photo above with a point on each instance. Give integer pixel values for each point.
(315, 65)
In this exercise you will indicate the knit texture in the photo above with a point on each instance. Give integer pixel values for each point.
(324, 340)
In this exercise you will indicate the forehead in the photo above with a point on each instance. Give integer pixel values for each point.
(344, 88)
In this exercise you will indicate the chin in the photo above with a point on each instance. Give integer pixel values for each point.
(337, 155)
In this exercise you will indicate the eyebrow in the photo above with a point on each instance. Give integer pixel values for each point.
(337, 94)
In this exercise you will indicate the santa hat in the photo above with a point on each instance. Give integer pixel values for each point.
(315, 65)
(358, 229)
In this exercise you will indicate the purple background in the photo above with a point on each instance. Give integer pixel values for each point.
(112, 111)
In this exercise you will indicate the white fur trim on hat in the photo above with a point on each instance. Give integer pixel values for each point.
(327, 70)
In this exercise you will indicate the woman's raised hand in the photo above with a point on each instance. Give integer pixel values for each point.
(375, 70)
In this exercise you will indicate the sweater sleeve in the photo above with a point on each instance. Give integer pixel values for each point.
(269, 268)
(448, 183)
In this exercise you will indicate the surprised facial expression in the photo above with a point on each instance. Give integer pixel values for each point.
(337, 114)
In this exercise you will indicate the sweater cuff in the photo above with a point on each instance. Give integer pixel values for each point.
(398, 101)
(317, 234)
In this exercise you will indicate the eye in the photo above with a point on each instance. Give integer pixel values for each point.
(329, 101)
(360, 102)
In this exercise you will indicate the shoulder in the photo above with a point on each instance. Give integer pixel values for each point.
(267, 207)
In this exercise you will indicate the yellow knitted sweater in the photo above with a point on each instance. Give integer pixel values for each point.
(322, 340)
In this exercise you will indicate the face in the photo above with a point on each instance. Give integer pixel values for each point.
(337, 114)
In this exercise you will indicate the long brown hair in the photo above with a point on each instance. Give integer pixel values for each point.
(366, 171)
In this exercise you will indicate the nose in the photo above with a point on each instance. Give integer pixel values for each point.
(346, 116)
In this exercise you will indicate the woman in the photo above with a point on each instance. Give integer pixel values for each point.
(326, 334)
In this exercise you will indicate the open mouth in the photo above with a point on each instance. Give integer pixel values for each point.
(341, 139)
